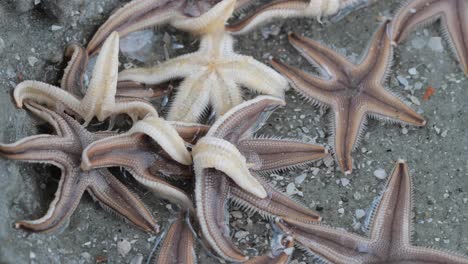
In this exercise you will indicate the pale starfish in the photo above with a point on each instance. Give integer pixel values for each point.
(292, 8)
(452, 14)
(390, 232)
(100, 98)
(64, 151)
(141, 14)
(229, 150)
(353, 92)
(150, 151)
(212, 75)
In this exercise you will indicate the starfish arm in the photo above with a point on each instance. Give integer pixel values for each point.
(67, 197)
(178, 245)
(166, 136)
(382, 104)
(429, 255)
(191, 99)
(328, 60)
(378, 56)
(414, 14)
(135, 16)
(255, 76)
(141, 90)
(277, 154)
(72, 80)
(211, 152)
(280, 255)
(245, 119)
(225, 95)
(45, 94)
(455, 23)
(330, 245)
(135, 108)
(212, 21)
(285, 9)
(211, 194)
(348, 123)
(135, 152)
(314, 88)
(190, 132)
(99, 99)
(277, 204)
(182, 66)
(111, 194)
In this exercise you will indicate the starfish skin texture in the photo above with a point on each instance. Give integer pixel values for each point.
(212, 186)
(352, 92)
(64, 151)
(452, 14)
(99, 100)
(213, 75)
(178, 246)
(145, 152)
(282, 9)
(390, 232)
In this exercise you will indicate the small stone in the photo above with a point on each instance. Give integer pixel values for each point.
(444, 134)
(341, 211)
(32, 60)
(55, 28)
(124, 247)
(32, 255)
(418, 85)
(138, 259)
(414, 100)
(360, 213)
(418, 43)
(241, 234)
(237, 214)
(86, 256)
(300, 179)
(357, 196)
(404, 131)
(413, 71)
(344, 182)
(403, 81)
(380, 174)
(435, 43)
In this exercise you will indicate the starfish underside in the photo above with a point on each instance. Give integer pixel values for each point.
(213, 185)
(452, 14)
(64, 151)
(390, 232)
(352, 92)
(213, 75)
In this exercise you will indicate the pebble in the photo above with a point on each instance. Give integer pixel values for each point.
(414, 100)
(32, 255)
(344, 182)
(403, 81)
(418, 43)
(413, 71)
(138, 259)
(380, 174)
(435, 43)
(237, 214)
(300, 179)
(404, 131)
(241, 234)
(32, 60)
(360, 213)
(341, 211)
(55, 28)
(444, 134)
(124, 247)
(291, 190)
(357, 196)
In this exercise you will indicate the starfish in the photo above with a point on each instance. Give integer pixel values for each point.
(141, 14)
(64, 151)
(213, 74)
(100, 98)
(178, 246)
(353, 92)
(452, 14)
(149, 151)
(292, 8)
(390, 232)
(72, 80)
(229, 151)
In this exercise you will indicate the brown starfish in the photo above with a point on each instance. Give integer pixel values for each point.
(452, 14)
(223, 154)
(353, 92)
(390, 232)
(145, 155)
(64, 151)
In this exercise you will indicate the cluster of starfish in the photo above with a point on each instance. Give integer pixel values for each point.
(227, 160)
